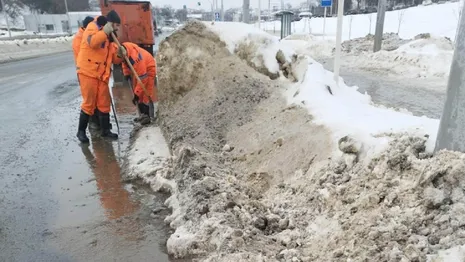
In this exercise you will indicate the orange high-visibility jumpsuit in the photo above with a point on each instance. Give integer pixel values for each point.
(94, 61)
(77, 43)
(146, 68)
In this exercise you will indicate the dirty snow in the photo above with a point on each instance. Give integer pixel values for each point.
(281, 170)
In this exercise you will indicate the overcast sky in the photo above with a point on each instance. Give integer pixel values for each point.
(227, 3)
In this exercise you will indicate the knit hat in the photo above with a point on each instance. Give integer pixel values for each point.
(86, 21)
(101, 20)
(113, 17)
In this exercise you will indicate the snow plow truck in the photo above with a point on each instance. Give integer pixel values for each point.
(136, 26)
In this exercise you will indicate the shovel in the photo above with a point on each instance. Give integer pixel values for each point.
(130, 86)
(151, 106)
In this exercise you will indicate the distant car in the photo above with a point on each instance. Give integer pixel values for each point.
(352, 12)
(372, 9)
(296, 18)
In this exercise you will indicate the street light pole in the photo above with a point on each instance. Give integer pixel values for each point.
(6, 18)
(451, 134)
(69, 19)
(379, 25)
(337, 57)
(222, 11)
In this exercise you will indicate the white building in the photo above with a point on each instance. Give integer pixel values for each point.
(56, 23)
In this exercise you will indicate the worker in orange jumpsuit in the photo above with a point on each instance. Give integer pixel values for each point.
(94, 121)
(146, 68)
(96, 55)
(78, 36)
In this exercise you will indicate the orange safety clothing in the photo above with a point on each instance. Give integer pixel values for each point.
(96, 53)
(94, 61)
(95, 94)
(146, 68)
(77, 43)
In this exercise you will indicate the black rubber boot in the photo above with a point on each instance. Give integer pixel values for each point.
(144, 118)
(94, 122)
(83, 121)
(143, 108)
(105, 125)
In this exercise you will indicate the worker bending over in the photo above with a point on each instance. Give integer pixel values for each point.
(146, 68)
(96, 55)
(94, 121)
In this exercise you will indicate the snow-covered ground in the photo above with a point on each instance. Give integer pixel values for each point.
(26, 35)
(436, 19)
(411, 57)
(369, 192)
(11, 50)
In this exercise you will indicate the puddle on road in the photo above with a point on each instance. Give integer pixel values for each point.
(119, 221)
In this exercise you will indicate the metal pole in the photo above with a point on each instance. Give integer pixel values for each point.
(337, 57)
(69, 19)
(245, 11)
(451, 134)
(379, 25)
(324, 23)
(259, 13)
(222, 11)
(6, 18)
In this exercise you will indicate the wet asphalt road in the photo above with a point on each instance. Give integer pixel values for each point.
(60, 201)
(420, 96)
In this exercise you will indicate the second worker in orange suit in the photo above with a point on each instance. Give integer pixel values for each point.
(146, 68)
(96, 55)
(94, 121)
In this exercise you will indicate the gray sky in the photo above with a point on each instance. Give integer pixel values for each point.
(205, 4)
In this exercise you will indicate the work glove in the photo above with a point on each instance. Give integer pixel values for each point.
(135, 100)
(108, 28)
(121, 52)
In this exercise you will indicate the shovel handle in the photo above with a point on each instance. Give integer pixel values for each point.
(131, 67)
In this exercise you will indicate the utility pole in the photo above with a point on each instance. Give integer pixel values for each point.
(70, 31)
(222, 11)
(379, 25)
(259, 13)
(6, 18)
(451, 134)
(337, 57)
(245, 11)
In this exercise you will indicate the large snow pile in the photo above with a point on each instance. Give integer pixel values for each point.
(439, 20)
(316, 174)
(11, 50)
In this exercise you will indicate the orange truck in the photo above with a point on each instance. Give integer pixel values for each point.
(136, 25)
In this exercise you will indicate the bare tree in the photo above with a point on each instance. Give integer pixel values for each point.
(351, 17)
(12, 8)
(400, 17)
(370, 18)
